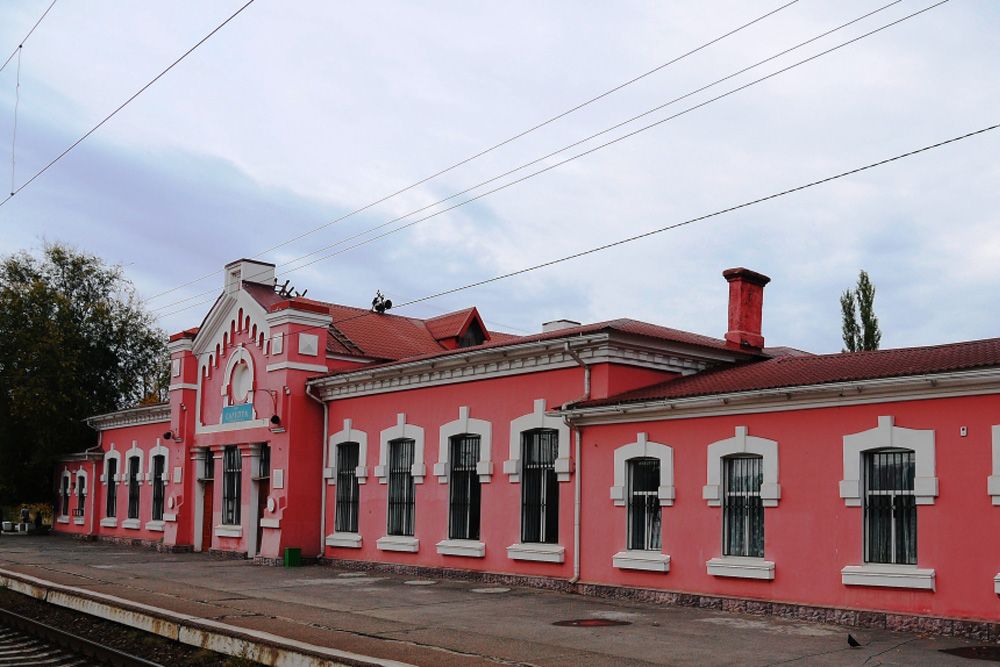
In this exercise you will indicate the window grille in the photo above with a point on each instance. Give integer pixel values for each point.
(159, 487)
(890, 508)
(133, 487)
(346, 509)
(402, 490)
(644, 528)
(65, 496)
(111, 506)
(81, 495)
(742, 508)
(539, 486)
(464, 488)
(232, 485)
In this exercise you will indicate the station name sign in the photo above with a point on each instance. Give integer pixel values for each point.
(237, 413)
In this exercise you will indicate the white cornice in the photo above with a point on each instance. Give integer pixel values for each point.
(306, 318)
(131, 417)
(222, 314)
(805, 397)
(180, 345)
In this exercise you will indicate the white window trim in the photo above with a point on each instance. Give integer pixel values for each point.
(538, 419)
(649, 561)
(344, 540)
(996, 584)
(887, 575)
(131, 524)
(546, 553)
(347, 434)
(112, 453)
(462, 426)
(66, 511)
(240, 353)
(640, 449)
(159, 450)
(993, 481)
(741, 567)
(884, 436)
(137, 453)
(398, 543)
(466, 548)
(109, 522)
(401, 431)
(741, 443)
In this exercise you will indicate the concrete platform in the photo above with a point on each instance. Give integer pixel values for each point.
(322, 615)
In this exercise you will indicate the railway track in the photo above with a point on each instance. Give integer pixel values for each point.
(24, 641)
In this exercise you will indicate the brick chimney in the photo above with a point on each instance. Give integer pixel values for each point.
(746, 299)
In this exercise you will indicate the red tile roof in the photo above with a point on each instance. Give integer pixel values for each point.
(794, 371)
(451, 325)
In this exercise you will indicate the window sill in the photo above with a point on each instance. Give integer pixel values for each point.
(398, 543)
(109, 522)
(741, 567)
(996, 584)
(467, 548)
(79, 520)
(546, 553)
(62, 519)
(344, 540)
(131, 524)
(888, 576)
(228, 531)
(650, 561)
(155, 526)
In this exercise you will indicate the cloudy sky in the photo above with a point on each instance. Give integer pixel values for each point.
(300, 112)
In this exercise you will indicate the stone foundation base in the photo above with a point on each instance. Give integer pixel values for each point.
(985, 631)
(226, 554)
(155, 545)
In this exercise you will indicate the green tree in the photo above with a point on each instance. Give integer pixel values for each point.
(76, 341)
(859, 324)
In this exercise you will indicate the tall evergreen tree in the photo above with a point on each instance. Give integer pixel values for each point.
(76, 342)
(859, 327)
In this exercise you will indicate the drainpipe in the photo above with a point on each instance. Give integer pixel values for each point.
(322, 497)
(577, 489)
(92, 491)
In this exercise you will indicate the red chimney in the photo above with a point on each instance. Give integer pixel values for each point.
(746, 298)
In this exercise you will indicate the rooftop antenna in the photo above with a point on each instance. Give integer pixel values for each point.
(380, 304)
(286, 292)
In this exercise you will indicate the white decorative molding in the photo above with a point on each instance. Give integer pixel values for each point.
(643, 448)
(109, 522)
(297, 366)
(278, 344)
(175, 367)
(62, 519)
(228, 531)
(155, 526)
(741, 443)
(239, 355)
(183, 385)
(177, 474)
(888, 576)
(996, 584)
(201, 429)
(131, 524)
(270, 523)
(308, 345)
(546, 553)
(159, 450)
(884, 436)
(535, 420)
(79, 520)
(398, 543)
(649, 561)
(993, 481)
(462, 426)
(152, 414)
(169, 517)
(278, 478)
(741, 567)
(402, 431)
(347, 434)
(466, 548)
(344, 540)
(112, 454)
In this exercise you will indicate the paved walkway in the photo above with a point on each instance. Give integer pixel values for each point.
(324, 615)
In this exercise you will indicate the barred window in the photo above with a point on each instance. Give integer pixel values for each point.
(346, 509)
(890, 507)
(81, 495)
(65, 496)
(159, 486)
(402, 490)
(464, 488)
(539, 486)
(133, 487)
(111, 502)
(232, 485)
(743, 509)
(644, 526)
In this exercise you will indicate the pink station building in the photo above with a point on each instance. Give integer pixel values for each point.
(619, 458)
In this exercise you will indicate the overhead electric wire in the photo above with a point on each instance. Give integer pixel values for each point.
(592, 150)
(666, 228)
(126, 103)
(494, 146)
(25, 39)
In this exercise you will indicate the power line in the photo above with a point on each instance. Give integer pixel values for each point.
(21, 43)
(126, 102)
(495, 146)
(577, 143)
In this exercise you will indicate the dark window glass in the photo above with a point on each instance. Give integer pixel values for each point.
(209, 469)
(539, 486)
(133, 487)
(464, 490)
(644, 527)
(111, 506)
(81, 495)
(264, 466)
(346, 509)
(65, 496)
(159, 486)
(742, 507)
(402, 490)
(232, 485)
(890, 507)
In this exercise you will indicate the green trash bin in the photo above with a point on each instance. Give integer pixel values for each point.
(293, 556)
